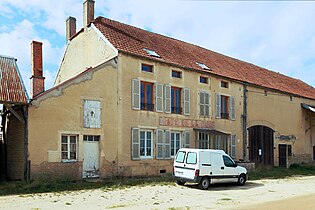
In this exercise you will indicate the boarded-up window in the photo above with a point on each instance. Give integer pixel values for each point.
(204, 104)
(158, 97)
(92, 114)
(135, 94)
(167, 98)
(232, 108)
(186, 101)
(187, 139)
(135, 143)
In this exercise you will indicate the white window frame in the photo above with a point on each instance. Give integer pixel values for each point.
(180, 142)
(145, 156)
(68, 148)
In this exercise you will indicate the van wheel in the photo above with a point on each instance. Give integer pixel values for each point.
(241, 180)
(204, 183)
(179, 182)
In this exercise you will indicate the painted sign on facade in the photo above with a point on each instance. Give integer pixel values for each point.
(187, 123)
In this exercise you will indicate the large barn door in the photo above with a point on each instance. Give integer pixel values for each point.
(261, 145)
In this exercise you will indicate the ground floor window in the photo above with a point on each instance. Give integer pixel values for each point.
(175, 142)
(69, 147)
(146, 143)
(216, 141)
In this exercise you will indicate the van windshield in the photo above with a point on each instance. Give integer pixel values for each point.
(191, 158)
(180, 157)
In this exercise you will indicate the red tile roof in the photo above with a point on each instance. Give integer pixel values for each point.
(12, 89)
(134, 40)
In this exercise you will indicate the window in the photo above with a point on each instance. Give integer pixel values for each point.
(69, 147)
(203, 80)
(175, 142)
(191, 158)
(176, 74)
(228, 162)
(146, 142)
(92, 114)
(152, 53)
(180, 157)
(203, 66)
(224, 107)
(204, 140)
(224, 84)
(204, 104)
(91, 138)
(146, 67)
(176, 100)
(146, 96)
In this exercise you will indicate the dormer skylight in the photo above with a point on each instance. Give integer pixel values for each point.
(152, 53)
(203, 66)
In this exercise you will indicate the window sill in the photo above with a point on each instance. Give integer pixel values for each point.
(69, 161)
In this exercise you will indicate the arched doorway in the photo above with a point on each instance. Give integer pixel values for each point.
(261, 145)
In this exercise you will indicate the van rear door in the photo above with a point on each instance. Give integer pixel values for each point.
(185, 164)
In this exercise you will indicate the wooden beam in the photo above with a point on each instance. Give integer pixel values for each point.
(14, 113)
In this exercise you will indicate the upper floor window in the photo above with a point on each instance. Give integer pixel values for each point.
(203, 80)
(176, 100)
(224, 84)
(69, 147)
(146, 67)
(146, 96)
(92, 114)
(225, 107)
(176, 74)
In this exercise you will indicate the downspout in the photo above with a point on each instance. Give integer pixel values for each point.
(26, 162)
(244, 121)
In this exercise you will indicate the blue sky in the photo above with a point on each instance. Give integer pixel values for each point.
(279, 36)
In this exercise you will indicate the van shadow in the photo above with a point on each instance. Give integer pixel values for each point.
(227, 186)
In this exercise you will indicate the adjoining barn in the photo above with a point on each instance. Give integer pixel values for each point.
(14, 119)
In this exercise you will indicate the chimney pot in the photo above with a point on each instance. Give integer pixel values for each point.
(37, 79)
(70, 27)
(88, 12)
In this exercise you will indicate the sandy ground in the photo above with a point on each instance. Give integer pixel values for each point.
(291, 193)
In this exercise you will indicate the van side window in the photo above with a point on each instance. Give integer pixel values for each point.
(180, 157)
(227, 161)
(191, 158)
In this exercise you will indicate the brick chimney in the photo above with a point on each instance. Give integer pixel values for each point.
(88, 12)
(37, 79)
(70, 27)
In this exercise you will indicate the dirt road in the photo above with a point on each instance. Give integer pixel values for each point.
(299, 193)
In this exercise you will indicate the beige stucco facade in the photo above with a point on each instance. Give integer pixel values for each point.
(60, 111)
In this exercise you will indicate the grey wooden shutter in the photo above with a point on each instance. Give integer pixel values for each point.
(158, 97)
(233, 146)
(135, 144)
(167, 144)
(207, 105)
(92, 114)
(159, 144)
(186, 101)
(232, 108)
(167, 98)
(187, 139)
(217, 105)
(201, 103)
(136, 94)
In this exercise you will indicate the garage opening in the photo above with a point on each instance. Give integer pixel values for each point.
(261, 140)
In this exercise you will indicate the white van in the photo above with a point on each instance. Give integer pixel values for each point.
(205, 166)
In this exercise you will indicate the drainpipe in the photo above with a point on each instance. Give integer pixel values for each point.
(244, 121)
